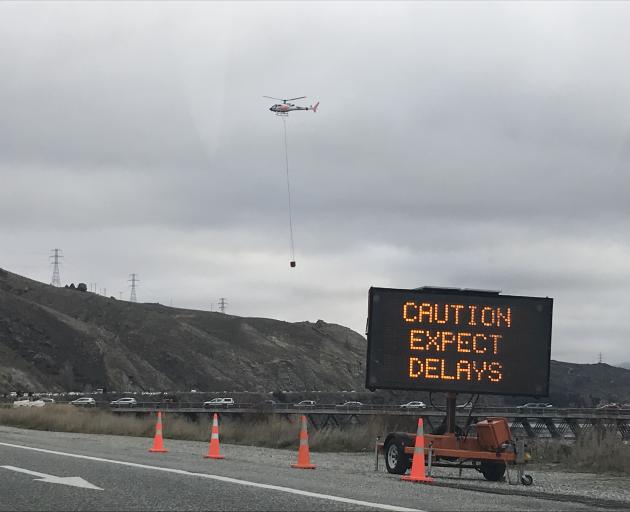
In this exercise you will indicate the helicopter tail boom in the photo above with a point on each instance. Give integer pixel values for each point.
(314, 107)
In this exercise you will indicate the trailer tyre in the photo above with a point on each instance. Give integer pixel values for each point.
(396, 460)
(527, 480)
(493, 471)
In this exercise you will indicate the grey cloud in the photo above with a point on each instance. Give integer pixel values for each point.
(472, 145)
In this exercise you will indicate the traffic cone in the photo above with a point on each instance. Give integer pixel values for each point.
(158, 442)
(304, 456)
(417, 464)
(213, 449)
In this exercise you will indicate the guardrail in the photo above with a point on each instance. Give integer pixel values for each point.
(555, 422)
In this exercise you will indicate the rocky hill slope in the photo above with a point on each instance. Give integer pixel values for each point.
(56, 339)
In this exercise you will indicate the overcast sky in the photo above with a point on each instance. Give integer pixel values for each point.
(474, 145)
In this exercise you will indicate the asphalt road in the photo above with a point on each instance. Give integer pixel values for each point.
(127, 477)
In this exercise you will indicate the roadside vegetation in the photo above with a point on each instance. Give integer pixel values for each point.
(598, 452)
(271, 433)
(601, 452)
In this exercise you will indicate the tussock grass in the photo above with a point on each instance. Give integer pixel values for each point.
(272, 432)
(598, 452)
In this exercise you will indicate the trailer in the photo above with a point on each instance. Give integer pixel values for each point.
(492, 451)
(454, 340)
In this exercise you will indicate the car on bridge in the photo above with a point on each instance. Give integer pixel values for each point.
(414, 405)
(219, 402)
(22, 403)
(84, 402)
(613, 406)
(533, 405)
(350, 404)
(127, 401)
(305, 403)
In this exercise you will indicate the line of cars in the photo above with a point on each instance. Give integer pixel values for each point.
(229, 402)
(304, 404)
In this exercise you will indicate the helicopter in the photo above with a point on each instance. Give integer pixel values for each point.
(283, 109)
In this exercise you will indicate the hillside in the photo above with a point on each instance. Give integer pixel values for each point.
(585, 385)
(64, 339)
(59, 339)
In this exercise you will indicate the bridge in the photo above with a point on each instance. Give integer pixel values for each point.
(549, 422)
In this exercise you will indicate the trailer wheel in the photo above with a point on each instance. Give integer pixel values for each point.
(527, 480)
(493, 471)
(396, 460)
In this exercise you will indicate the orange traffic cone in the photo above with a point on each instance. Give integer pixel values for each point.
(417, 464)
(158, 442)
(304, 456)
(213, 450)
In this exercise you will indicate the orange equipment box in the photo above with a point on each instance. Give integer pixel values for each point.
(492, 433)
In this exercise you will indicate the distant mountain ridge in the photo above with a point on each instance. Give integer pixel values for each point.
(60, 339)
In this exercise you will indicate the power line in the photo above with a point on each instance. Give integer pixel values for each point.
(222, 304)
(56, 257)
(134, 279)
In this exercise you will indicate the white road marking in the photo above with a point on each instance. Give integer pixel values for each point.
(74, 481)
(381, 506)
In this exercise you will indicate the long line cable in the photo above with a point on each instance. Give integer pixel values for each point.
(286, 158)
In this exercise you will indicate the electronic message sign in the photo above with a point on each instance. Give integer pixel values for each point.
(436, 339)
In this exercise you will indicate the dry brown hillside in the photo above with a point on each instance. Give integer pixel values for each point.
(64, 339)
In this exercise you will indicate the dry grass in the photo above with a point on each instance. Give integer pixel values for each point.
(602, 452)
(272, 433)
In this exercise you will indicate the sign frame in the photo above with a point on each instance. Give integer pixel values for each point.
(425, 293)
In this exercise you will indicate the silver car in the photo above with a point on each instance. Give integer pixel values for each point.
(84, 402)
(124, 402)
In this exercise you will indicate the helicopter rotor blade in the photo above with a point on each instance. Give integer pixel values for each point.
(300, 98)
(272, 98)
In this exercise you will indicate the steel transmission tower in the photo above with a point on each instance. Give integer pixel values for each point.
(222, 304)
(56, 257)
(134, 279)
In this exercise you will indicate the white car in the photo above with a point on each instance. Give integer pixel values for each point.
(34, 403)
(84, 402)
(219, 402)
(414, 405)
(305, 403)
(128, 401)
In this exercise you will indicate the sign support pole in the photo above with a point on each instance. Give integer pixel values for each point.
(451, 400)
